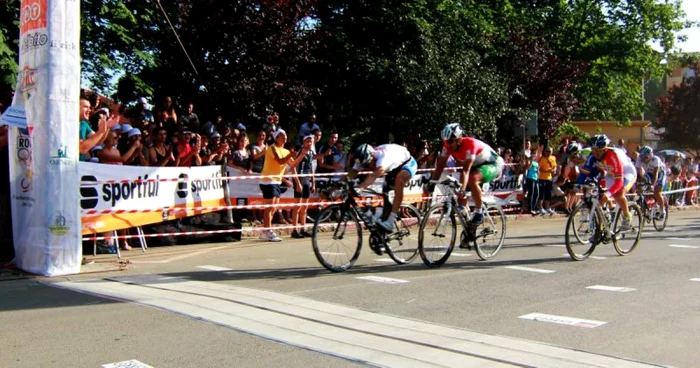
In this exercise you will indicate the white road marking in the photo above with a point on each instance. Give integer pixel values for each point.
(384, 260)
(182, 256)
(360, 336)
(569, 321)
(214, 268)
(383, 280)
(461, 254)
(528, 269)
(333, 254)
(597, 257)
(683, 246)
(554, 245)
(696, 279)
(611, 288)
(133, 363)
(675, 238)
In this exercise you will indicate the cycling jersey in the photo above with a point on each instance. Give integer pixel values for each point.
(393, 158)
(618, 167)
(472, 149)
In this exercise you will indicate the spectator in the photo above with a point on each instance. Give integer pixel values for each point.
(547, 169)
(527, 152)
(142, 110)
(138, 158)
(111, 155)
(166, 115)
(306, 129)
(258, 151)
(276, 160)
(190, 120)
(621, 145)
(340, 159)
(241, 157)
(326, 153)
(424, 157)
(318, 134)
(303, 187)
(88, 138)
(531, 185)
(270, 127)
(219, 149)
(160, 153)
(186, 153)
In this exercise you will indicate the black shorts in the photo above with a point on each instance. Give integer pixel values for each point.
(545, 189)
(568, 186)
(305, 191)
(270, 191)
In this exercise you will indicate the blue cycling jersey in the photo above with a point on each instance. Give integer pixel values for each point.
(589, 170)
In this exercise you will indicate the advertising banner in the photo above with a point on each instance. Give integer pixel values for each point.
(44, 154)
(148, 195)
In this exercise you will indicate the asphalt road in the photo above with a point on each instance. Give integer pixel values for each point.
(254, 304)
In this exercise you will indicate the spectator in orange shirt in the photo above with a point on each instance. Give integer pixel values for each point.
(547, 169)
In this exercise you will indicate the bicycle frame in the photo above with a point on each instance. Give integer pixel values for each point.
(451, 204)
(596, 191)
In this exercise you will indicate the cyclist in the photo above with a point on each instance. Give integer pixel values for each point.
(480, 164)
(620, 174)
(651, 169)
(391, 159)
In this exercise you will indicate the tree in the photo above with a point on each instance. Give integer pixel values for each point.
(9, 33)
(408, 67)
(679, 113)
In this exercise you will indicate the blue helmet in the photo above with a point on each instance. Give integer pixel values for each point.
(600, 141)
(364, 153)
(645, 151)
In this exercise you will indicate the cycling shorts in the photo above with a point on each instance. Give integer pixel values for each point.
(490, 171)
(628, 181)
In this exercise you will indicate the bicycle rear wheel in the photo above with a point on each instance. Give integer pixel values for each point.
(337, 244)
(402, 245)
(577, 248)
(625, 242)
(491, 233)
(437, 235)
(661, 219)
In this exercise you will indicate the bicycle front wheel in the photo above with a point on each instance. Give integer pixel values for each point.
(402, 245)
(337, 244)
(581, 228)
(625, 241)
(661, 218)
(491, 234)
(437, 235)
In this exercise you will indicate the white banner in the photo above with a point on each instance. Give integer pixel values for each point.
(44, 156)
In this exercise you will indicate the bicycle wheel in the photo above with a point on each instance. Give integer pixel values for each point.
(402, 245)
(579, 250)
(337, 244)
(580, 226)
(661, 219)
(437, 235)
(625, 242)
(491, 233)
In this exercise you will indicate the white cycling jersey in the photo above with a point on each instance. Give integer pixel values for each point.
(654, 162)
(389, 157)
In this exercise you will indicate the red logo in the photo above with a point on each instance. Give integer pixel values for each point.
(27, 79)
(32, 15)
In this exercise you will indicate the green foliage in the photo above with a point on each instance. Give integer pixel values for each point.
(679, 114)
(571, 131)
(9, 32)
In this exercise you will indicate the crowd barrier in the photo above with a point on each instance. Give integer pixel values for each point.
(121, 197)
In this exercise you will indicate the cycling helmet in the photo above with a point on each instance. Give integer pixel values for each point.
(364, 153)
(573, 148)
(645, 151)
(600, 141)
(452, 130)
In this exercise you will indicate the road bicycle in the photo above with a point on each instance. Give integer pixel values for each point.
(337, 243)
(650, 211)
(589, 225)
(438, 229)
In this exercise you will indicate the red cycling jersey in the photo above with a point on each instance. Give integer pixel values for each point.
(469, 148)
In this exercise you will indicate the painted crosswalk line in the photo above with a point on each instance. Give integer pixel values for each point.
(562, 320)
(530, 269)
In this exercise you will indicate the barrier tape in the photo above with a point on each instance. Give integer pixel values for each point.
(244, 177)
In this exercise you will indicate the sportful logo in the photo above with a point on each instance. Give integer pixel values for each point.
(115, 192)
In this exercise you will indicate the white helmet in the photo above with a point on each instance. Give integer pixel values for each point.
(364, 153)
(452, 130)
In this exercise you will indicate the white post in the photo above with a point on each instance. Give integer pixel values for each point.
(44, 155)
